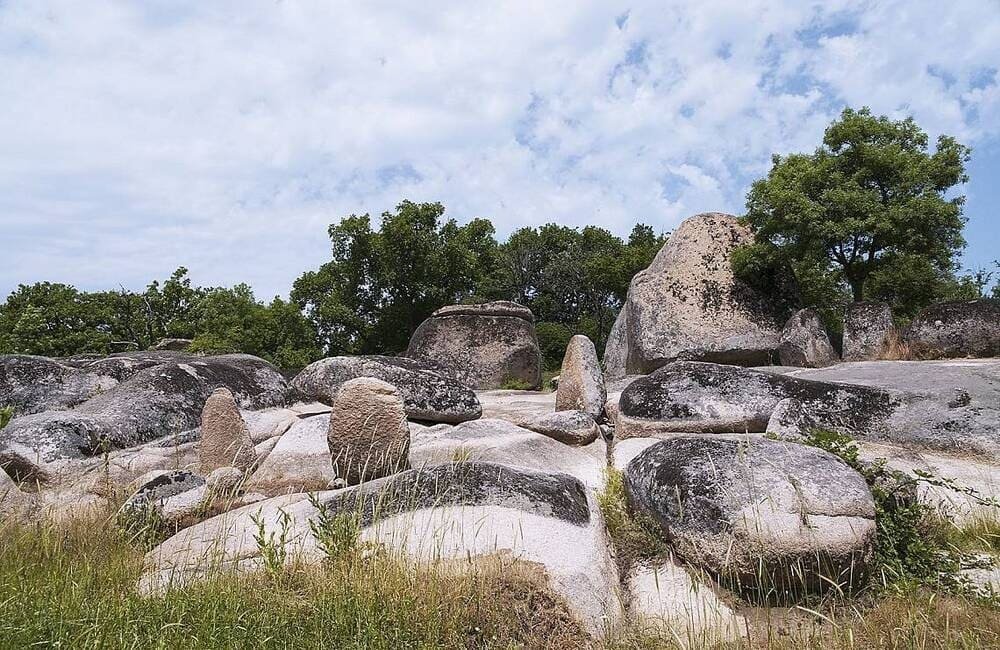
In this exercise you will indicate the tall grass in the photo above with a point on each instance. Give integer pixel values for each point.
(73, 586)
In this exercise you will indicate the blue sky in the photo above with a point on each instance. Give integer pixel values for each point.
(225, 136)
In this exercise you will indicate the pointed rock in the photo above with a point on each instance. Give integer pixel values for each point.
(225, 440)
(581, 384)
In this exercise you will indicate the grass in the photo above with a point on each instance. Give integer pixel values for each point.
(631, 538)
(72, 585)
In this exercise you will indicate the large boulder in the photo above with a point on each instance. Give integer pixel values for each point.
(697, 397)
(581, 383)
(956, 329)
(688, 304)
(368, 435)
(770, 518)
(485, 346)
(694, 397)
(428, 392)
(616, 349)
(569, 427)
(453, 511)
(124, 365)
(867, 326)
(154, 403)
(33, 384)
(225, 439)
(804, 342)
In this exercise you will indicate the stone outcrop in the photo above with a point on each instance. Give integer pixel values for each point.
(804, 342)
(581, 383)
(956, 329)
(156, 402)
(569, 427)
(225, 440)
(33, 384)
(485, 346)
(867, 326)
(443, 512)
(766, 517)
(689, 305)
(171, 495)
(368, 435)
(299, 462)
(429, 394)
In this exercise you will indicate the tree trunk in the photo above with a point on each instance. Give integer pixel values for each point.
(857, 288)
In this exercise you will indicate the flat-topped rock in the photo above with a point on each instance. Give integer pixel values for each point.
(867, 326)
(483, 346)
(495, 308)
(969, 328)
(428, 392)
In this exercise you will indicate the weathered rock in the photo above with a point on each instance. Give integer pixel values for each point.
(485, 346)
(124, 365)
(804, 342)
(451, 511)
(867, 326)
(154, 403)
(177, 345)
(15, 504)
(664, 595)
(172, 495)
(957, 329)
(696, 397)
(499, 441)
(581, 383)
(368, 436)
(771, 518)
(517, 406)
(225, 440)
(299, 462)
(616, 349)
(688, 304)
(32, 384)
(428, 393)
(569, 427)
(224, 480)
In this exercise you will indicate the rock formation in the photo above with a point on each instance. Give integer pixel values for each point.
(956, 329)
(867, 326)
(804, 342)
(225, 440)
(368, 435)
(581, 382)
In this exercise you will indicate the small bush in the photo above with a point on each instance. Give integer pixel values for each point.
(515, 383)
(6, 415)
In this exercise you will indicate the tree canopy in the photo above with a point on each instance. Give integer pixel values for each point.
(871, 209)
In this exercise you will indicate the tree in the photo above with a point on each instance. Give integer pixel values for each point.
(870, 197)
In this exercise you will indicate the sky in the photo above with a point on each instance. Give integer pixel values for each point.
(225, 136)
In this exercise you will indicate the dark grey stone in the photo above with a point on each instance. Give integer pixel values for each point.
(957, 329)
(804, 342)
(867, 326)
(32, 384)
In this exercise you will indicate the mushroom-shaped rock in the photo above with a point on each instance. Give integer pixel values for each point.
(689, 304)
(957, 329)
(485, 346)
(804, 342)
(770, 518)
(581, 383)
(368, 435)
(429, 393)
(867, 326)
(225, 440)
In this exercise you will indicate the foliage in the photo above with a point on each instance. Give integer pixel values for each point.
(909, 543)
(337, 534)
(865, 209)
(552, 340)
(6, 415)
(632, 537)
(515, 383)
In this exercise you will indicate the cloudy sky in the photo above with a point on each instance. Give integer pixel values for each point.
(226, 135)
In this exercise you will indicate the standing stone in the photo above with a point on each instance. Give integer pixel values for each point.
(689, 304)
(968, 328)
(867, 325)
(225, 440)
(804, 342)
(484, 346)
(581, 384)
(368, 435)
(616, 349)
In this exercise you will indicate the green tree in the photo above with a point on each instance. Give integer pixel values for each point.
(870, 198)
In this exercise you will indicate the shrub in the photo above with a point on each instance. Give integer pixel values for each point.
(6, 415)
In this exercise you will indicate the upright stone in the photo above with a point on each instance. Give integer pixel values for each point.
(484, 346)
(804, 342)
(368, 435)
(616, 349)
(225, 439)
(581, 383)
(689, 304)
(867, 325)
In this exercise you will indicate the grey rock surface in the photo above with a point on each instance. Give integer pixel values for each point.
(154, 403)
(171, 494)
(225, 439)
(804, 342)
(32, 384)
(581, 382)
(688, 304)
(368, 434)
(764, 516)
(867, 326)
(568, 427)
(485, 346)
(956, 329)
(428, 392)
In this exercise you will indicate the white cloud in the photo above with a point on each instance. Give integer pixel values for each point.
(225, 136)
